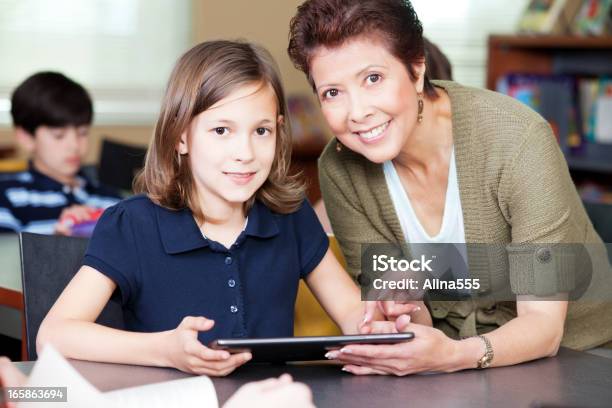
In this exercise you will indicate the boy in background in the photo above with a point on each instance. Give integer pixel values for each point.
(51, 115)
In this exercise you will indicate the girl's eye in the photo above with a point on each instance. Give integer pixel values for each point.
(262, 131)
(372, 78)
(330, 93)
(221, 130)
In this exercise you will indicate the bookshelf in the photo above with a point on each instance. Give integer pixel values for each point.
(554, 54)
(535, 53)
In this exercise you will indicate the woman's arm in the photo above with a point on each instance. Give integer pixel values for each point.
(70, 326)
(536, 332)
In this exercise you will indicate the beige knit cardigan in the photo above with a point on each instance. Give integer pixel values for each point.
(515, 189)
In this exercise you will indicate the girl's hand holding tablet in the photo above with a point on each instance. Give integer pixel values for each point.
(186, 353)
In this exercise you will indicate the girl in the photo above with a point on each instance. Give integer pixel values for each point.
(216, 244)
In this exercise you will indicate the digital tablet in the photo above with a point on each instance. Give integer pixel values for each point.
(281, 349)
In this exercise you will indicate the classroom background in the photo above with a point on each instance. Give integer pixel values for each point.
(554, 55)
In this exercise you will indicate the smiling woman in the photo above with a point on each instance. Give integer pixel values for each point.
(419, 161)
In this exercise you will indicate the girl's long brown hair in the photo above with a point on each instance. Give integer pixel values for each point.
(203, 76)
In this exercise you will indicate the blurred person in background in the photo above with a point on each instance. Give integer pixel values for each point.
(52, 116)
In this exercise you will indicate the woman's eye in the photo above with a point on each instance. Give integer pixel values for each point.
(262, 131)
(372, 78)
(330, 93)
(220, 130)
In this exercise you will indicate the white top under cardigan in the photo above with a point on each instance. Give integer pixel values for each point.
(452, 229)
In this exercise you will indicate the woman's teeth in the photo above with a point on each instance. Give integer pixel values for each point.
(377, 131)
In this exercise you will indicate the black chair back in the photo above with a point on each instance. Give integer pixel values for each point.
(48, 263)
(119, 163)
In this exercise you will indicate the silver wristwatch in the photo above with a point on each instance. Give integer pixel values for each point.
(487, 358)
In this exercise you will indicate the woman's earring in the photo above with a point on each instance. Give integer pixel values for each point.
(420, 104)
(338, 146)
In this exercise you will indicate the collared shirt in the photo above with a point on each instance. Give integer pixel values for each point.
(167, 270)
(32, 202)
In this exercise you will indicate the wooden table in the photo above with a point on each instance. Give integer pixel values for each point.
(572, 379)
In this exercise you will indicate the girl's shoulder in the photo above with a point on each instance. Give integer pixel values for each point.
(134, 203)
(136, 208)
(302, 216)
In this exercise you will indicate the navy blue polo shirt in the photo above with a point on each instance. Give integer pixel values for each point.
(167, 270)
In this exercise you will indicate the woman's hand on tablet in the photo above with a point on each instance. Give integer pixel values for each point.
(185, 352)
(430, 350)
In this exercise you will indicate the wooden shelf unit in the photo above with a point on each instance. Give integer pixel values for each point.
(535, 54)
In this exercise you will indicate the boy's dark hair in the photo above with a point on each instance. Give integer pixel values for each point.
(50, 99)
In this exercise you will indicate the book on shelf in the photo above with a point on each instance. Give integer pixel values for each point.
(593, 18)
(595, 99)
(579, 17)
(553, 97)
(594, 192)
(549, 16)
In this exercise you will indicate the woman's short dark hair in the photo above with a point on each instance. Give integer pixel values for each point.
(330, 23)
(50, 99)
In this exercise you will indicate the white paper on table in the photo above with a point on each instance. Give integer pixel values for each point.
(603, 120)
(185, 393)
(52, 370)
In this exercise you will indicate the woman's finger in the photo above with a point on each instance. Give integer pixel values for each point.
(363, 361)
(378, 351)
(382, 327)
(368, 314)
(395, 309)
(361, 370)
